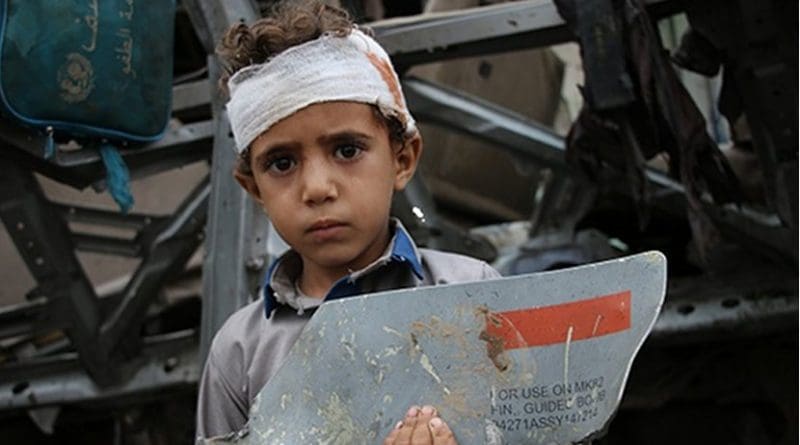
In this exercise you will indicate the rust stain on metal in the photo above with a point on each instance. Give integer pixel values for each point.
(495, 350)
(495, 344)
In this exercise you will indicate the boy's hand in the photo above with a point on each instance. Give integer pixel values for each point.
(421, 426)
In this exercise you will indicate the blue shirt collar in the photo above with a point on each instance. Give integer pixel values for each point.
(403, 251)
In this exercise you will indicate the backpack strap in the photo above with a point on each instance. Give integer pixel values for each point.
(117, 176)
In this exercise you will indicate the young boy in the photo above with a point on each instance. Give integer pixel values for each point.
(325, 139)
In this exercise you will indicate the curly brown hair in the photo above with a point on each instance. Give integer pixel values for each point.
(287, 24)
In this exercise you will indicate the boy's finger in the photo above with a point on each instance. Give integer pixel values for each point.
(413, 411)
(427, 412)
(406, 430)
(391, 439)
(422, 434)
(412, 416)
(442, 435)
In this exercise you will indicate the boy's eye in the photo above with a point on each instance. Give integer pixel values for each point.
(348, 151)
(280, 164)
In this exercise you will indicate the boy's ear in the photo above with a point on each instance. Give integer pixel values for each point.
(406, 160)
(248, 183)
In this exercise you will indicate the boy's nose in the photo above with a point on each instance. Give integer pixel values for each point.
(318, 184)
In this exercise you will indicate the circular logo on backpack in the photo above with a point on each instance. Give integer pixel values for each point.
(75, 78)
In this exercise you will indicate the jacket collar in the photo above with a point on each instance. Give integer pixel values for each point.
(281, 275)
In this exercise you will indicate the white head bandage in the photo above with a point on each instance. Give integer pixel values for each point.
(353, 68)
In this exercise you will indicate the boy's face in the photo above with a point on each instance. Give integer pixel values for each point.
(325, 176)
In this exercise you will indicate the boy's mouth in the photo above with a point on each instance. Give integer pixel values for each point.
(324, 224)
(325, 229)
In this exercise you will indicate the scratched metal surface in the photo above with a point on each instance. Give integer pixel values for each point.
(361, 362)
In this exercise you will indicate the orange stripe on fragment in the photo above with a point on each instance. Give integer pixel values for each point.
(550, 325)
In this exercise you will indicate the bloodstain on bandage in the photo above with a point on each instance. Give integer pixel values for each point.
(387, 74)
(543, 326)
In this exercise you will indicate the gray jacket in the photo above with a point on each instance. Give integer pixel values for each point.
(249, 348)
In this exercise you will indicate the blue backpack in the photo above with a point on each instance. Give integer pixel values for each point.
(99, 71)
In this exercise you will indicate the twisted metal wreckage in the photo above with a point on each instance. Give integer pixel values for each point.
(67, 346)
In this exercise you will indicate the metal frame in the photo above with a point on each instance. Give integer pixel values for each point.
(236, 245)
(104, 335)
(725, 317)
(766, 86)
(483, 30)
(166, 363)
(44, 242)
(537, 144)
